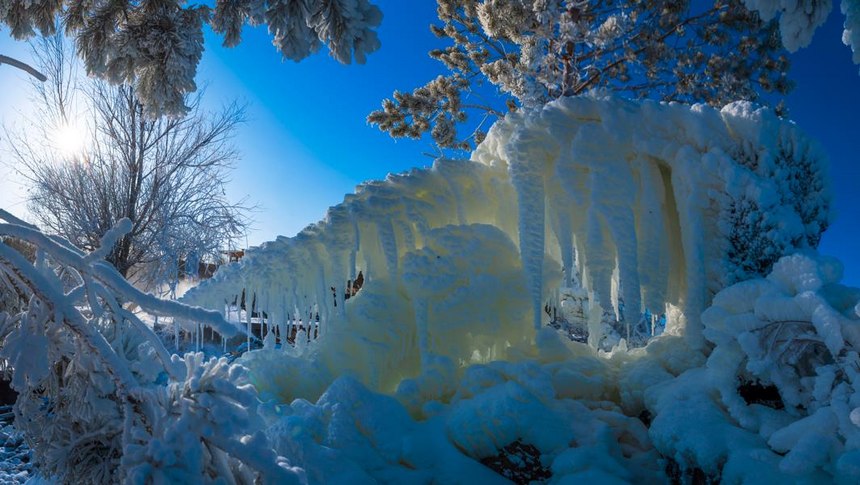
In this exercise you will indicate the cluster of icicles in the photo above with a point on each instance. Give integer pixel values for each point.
(622, 196)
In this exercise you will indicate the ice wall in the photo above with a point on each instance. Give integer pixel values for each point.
(663, 204)
(659, 204)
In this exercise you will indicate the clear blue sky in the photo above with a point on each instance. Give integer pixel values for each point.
(306, 143)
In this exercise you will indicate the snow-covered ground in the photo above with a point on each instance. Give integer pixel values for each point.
(15, 458)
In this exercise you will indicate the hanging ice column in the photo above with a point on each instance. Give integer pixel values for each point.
(528, 154)
(662, 204)
(667, 203)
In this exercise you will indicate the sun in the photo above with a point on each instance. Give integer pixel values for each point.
(70, 140)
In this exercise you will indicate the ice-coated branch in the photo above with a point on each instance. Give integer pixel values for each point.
(78, 350)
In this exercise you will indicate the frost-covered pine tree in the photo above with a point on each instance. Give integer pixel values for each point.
(156, 46)
(798, 21)
(535, 51)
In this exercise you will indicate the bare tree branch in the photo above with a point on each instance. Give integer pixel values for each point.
(23, 66)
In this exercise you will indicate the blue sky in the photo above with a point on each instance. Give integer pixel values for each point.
(306, 142)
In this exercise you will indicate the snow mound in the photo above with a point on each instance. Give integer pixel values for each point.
(776, 397)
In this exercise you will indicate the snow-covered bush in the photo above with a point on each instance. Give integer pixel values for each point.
(777, 399)
(100, 398)
(783, 207)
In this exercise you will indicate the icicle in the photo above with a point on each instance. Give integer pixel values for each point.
(565, 240)
(354, 252)
(689, 261)
(408, 235)
(421, 310)
(455, 189)
(600, 260)
(526, 157)
(616, 291)
(651, 233)
(322, 300)
(248, 321)
(283, 322)
(265, 328)
(388, 242)
(595, 321)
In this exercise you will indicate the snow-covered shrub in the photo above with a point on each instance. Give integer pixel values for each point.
(780, 205)
(100, 398)
(796, 332)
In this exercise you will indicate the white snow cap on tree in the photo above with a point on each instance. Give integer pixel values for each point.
(800, 18)
(156, 47)
(851, 34)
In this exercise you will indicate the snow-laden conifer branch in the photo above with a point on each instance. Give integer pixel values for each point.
(157, 47)
(535, 51)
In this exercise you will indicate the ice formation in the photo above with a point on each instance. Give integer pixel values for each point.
(625, 417)
(434, 367)
(656, 205)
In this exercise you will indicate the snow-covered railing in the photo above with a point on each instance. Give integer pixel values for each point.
(100, 398)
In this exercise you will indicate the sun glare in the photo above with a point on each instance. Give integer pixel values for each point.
(70, 140)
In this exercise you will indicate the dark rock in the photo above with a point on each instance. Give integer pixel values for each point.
(754, 392)
(518, 462)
